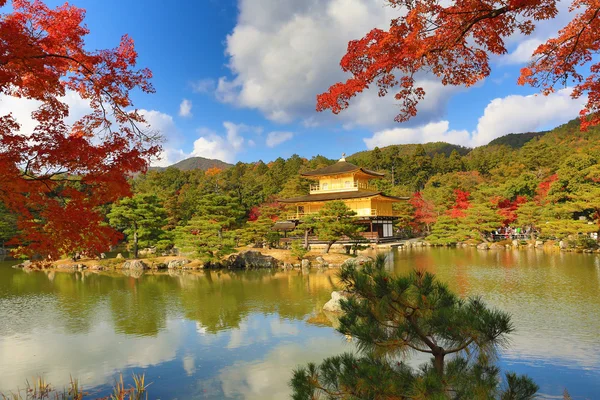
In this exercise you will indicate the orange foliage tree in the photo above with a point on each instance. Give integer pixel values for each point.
(461, 203)
(424, 212)
(56, 176)
(454, 41)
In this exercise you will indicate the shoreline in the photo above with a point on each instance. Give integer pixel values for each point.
(273, 259)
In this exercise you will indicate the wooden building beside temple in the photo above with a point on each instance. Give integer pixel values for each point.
(349, 183)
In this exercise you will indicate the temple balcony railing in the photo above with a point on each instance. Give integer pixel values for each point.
(373, 212)
(341, 187)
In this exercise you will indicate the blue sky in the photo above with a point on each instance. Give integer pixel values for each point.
(250, 71)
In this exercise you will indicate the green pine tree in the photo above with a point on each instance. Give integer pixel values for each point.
(8, 224)
(481, 219)
(391, 317)
(141, 218)
(447, 230)
(334, 221)
(298, 249)
(210, 233)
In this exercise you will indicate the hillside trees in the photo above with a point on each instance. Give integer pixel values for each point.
(550, 197)
(393, 316)
(141, 218)
(55, 177)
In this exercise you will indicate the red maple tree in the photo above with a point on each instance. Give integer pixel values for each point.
(424, 211)
(454, 41)
(543, 188)
(507, 208)
(461, 203)
(56, 176)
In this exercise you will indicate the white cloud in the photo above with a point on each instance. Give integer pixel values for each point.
(522, 53)
(432, 132)
(511, 114)
(110, 353)
(515, 114)
(185, 108)
(282, 53)
(207, 85)
(524, 45)
(223, 147)
(165, 125)
(276, 138)
(21, 109)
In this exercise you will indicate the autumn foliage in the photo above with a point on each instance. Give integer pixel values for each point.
(424, 211)
(56, 176)
(461, 203)
(507, 208)
(454, 42)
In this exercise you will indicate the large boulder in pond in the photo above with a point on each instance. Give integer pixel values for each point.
(483, 246)
(334, 305)
(174, 264)
(252, 259)
(135, 265)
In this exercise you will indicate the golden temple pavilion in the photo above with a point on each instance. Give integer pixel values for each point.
(349, 183)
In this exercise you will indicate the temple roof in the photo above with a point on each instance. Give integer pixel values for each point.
(283, 226)
(340, 167)
(338, 196)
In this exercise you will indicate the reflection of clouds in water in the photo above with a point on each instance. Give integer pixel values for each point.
(189, 364)
(268, 378)
(92, 357)
(200, 328)
(535, 348)
(260, 329)
(283, 328)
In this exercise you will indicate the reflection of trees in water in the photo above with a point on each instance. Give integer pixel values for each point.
(223, 300)
(140, 306)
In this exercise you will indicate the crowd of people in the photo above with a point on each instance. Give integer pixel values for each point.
(510, 232)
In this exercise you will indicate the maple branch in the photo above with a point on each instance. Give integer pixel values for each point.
(115, 107)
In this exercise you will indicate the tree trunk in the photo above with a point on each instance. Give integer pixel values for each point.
(135, 244)
(220, 233)
(329, 244)
(438, 363)
(306, 239)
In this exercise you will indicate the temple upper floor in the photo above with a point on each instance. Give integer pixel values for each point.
(341, 177)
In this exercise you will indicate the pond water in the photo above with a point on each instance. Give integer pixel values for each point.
(215, 335)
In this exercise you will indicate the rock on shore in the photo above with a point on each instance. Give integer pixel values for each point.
(334, 304)
(252, 259)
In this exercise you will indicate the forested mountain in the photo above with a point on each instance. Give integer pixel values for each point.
(516, 140)
(198, 163)
(400, 150)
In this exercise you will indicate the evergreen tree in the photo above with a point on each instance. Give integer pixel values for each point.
(206, 238)
(448, 230)
(529, 215)
(335, 221)
(261, 231)
(420, 165)
(480, 220)
(8, 225)
(141, 218)
(298, 249)
(391, 317)
(210, 232)
(455, 162)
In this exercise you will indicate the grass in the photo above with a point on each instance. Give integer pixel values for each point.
(39, 389)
